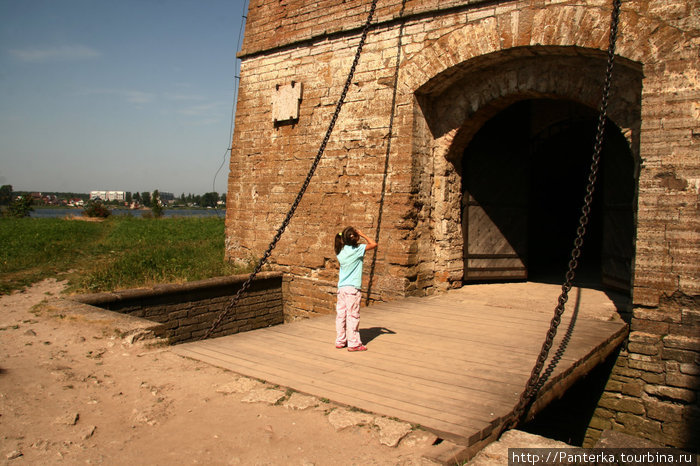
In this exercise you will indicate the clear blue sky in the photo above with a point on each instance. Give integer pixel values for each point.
(129, 95)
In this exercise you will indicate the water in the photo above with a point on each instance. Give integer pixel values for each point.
(60, 213)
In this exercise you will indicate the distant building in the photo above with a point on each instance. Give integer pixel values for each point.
(108, 195)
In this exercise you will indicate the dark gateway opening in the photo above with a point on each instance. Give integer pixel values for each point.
(524, 178)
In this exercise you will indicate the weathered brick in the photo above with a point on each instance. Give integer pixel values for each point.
(644, 348)
(664, 411)
(678, 379)
(690, 369)
(682, 342)
(653, 378)
(613, 386)
(600, 423)
(671, 393)
(619, 403)
(644, 338)
(649, 326)
(639, 425)
(683, 356)
(645, 364)
(634, 388)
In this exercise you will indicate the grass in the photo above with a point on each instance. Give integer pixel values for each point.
(119, 253)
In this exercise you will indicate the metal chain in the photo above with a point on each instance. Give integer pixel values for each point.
(536, 382)
(232, 304)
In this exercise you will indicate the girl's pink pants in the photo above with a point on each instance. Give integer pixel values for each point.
(347, 320)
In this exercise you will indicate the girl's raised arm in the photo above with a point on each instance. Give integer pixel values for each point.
(371, 244)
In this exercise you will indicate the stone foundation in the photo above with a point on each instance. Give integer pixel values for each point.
(654, 389)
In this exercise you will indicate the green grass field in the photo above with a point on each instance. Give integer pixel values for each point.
(119, 253)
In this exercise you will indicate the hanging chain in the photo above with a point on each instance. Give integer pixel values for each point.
(234, 301)
(536, 382)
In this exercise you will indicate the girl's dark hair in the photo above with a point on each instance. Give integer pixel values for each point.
(348, 236)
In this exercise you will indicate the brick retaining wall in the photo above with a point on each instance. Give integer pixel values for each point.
(188, 310)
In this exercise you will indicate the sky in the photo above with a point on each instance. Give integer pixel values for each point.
(125, 95)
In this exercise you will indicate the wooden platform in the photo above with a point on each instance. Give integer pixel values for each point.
(454, 364)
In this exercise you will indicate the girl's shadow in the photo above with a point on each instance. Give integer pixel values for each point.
(369, 334)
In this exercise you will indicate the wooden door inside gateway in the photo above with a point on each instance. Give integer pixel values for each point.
(495, 186)
(524, 175)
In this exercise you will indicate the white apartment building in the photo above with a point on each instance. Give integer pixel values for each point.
(108, 195)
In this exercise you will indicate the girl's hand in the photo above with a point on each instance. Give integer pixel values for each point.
(370, 243)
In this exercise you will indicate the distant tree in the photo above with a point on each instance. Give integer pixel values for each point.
(5, 194)
(127, 198)
(137, 197)
(182, 198)
(95, 208)
(146, 198)
(157, 206)
(209, 199)
(21, 207)
(223, 197)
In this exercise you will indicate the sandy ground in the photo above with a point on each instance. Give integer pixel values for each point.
(73, 392)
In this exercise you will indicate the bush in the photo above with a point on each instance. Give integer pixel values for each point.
(20, 208)
(157, 206)
(96, 209)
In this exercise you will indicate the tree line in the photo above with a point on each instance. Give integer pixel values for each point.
(145, 198)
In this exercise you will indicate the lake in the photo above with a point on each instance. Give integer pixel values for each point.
(59, 213)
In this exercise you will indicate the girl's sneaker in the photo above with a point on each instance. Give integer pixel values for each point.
(358, 348)
(341, 346)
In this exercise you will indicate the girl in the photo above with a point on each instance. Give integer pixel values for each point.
(350, 255)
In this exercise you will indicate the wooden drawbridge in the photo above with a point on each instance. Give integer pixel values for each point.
(455, 363)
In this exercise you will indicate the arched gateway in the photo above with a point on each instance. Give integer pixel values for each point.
(516, 133)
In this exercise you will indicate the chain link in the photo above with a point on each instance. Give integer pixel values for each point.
(536, 382)
(263, 260)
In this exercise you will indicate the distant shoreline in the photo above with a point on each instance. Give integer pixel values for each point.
(63, 212)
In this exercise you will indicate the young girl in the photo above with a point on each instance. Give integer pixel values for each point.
(350, 255)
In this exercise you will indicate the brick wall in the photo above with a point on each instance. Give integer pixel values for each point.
(459, 65)
(187, 311)
(653, 390)
(273, 23)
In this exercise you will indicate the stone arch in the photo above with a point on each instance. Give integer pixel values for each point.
(452, 109)
(581, 27)
(544, 72)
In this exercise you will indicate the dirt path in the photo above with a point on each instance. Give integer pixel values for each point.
(73, 392)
